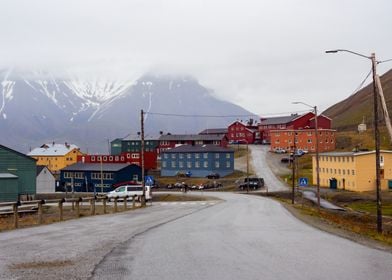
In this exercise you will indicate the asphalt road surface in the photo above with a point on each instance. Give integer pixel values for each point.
(241, 237)
(262, 169)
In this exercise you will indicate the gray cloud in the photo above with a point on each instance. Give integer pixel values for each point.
(259, 54)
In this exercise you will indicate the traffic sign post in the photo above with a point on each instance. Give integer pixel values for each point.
(303, 182)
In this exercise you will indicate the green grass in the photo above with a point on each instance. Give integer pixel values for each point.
(370, 207)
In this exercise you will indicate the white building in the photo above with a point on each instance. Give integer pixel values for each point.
(46, 183)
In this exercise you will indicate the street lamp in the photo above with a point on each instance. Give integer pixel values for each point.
(317, 150)
(372, 57)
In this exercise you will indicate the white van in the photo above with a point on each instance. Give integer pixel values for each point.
(130, 191)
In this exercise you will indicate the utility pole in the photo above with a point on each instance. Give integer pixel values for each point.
(317, 157)
(377, 144)
(142, 155)
(293, 167)
(101, 176)
(372, 57)
(247, 167)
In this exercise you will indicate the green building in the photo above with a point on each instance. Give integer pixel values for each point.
(17, 174)
(119, 146)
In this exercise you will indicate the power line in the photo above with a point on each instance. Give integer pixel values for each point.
(222, 116)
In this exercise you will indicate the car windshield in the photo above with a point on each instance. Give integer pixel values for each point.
(120, 189)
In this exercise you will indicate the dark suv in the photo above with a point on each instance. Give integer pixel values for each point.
(253, 182)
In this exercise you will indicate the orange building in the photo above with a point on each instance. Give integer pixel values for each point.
(305, 139)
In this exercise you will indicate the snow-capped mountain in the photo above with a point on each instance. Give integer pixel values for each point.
(37, 108)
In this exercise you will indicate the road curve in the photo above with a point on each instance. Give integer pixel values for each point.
(260, 166)
(245, 237)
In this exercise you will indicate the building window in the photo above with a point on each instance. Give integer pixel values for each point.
(165, 156)
(189, 164)
(227, 155)
(164, 164)
(352, 172)
(309, 140)
(205, 164)
(173, 156)
(197, 164)
(217, 164)
(173, 164)
(135, 177)
(197, 155)
(188, 156)
(216, 155)
(181, 156)
(181, 164)
(205, 155)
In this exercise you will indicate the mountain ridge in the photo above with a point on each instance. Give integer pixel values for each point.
(36, 110)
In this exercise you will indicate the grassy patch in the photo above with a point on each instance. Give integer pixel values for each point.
(370, 207)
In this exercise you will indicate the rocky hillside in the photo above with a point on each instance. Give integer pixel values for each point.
(350, 112)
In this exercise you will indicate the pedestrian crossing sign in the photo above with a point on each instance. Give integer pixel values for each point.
(303, 182)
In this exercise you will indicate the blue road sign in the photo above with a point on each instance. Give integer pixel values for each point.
(149, 180)
(303, 182)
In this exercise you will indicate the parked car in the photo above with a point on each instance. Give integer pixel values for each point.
(253, 183)
(130, 191)
(286, 160)
(280, 151)
(213, 176)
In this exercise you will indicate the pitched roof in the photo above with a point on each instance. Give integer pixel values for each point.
(198, 149)
(53, 150)
(80, 166)
(16, 152)
(278, 120)
(360, 153)
(190, 137)
(214, 131)
(7, 176)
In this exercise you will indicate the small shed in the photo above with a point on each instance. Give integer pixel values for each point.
(46, 182)
(8, 187)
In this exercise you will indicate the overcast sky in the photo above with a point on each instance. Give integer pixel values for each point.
(259, 54)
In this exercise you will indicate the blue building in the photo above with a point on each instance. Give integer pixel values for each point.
(86, 177)
(199, 160)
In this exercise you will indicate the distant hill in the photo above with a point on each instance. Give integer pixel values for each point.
(347, 114)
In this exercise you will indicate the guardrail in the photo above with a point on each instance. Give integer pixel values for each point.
(37, 206)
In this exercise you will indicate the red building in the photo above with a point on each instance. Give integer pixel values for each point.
(173, 140)
(305, 139)
(295, 121)
(150, 159)
(242, 133)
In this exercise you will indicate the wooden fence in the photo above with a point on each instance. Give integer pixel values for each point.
(19, 207)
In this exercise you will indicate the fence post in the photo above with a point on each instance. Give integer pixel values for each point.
(40, 212)
(115, 204)
(77, 209)
(134, 201)
(92, 206)
(61, 209)
(104, 204)
(125, 203)
(15, 209)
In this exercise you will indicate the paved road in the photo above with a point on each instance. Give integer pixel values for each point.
(242, 237)
(262, 169)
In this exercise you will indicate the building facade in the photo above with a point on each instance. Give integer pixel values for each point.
(294, 121)
(46, 182)
(150, 159)
(56, 156)
(169, 141)
(90, 177)
(197, 160)
(17, 175)
(305, 139)
(354, 171)
(121, 146)
(242, 133)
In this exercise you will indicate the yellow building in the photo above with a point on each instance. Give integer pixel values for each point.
(56, 156)
(353, 171)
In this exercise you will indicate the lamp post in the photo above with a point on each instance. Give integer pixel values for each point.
(317, 150)
(372, 58)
